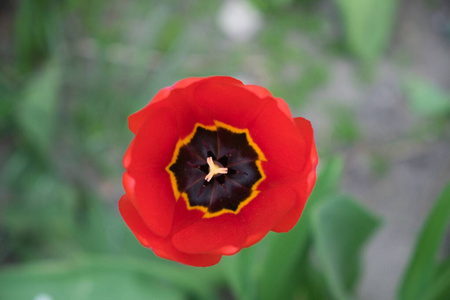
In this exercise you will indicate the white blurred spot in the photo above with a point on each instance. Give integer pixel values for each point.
(42, 296)
(239, 20)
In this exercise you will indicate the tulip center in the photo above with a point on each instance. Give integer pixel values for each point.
(216, 169)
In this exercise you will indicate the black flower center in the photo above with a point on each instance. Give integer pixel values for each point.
(216, 169)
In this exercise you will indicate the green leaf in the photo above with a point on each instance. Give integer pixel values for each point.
(368, 25)
(242, 270)
(43, 199)
(427, 99)
(6, 107)
(440, 287)
(421, 270)
(36, 25)
(286, 252)
(99, 278)
(340, 229)
(36, 112)
(312, 283)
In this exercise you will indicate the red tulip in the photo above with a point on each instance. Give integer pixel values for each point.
(213, 167)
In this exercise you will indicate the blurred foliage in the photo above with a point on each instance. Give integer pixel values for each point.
(367, 26)
(70, 74)
(105, 278)
(271, 5)
(345, 129)
(426, 99)
(425, 277)
(339, 242)
(32, 110)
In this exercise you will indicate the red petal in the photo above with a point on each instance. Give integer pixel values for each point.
(183, 217)
(136, 120)
(263, 93)
(187, 114)
(127, 157)
(282, 105)
(263, 212)
(224, 79)
(154, 144)
(304, 186)
(183, 83)
(146, 181)
(278, 176)
(231, 104)
(309, 177)
(187, 110)
(306, 130)
(278, 138)
(129, 185)
(292, 217)
(212, 235)
(260, 91)
(161, 246)
(154, 199)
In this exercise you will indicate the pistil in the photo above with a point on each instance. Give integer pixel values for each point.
(214, 169)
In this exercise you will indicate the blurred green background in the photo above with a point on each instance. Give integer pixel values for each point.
(373, 77)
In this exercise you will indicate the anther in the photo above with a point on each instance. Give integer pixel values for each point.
(214, 169)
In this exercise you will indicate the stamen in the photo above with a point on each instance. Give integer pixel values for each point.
(214, 169)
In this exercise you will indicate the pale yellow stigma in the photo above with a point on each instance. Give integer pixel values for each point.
(214, 169)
